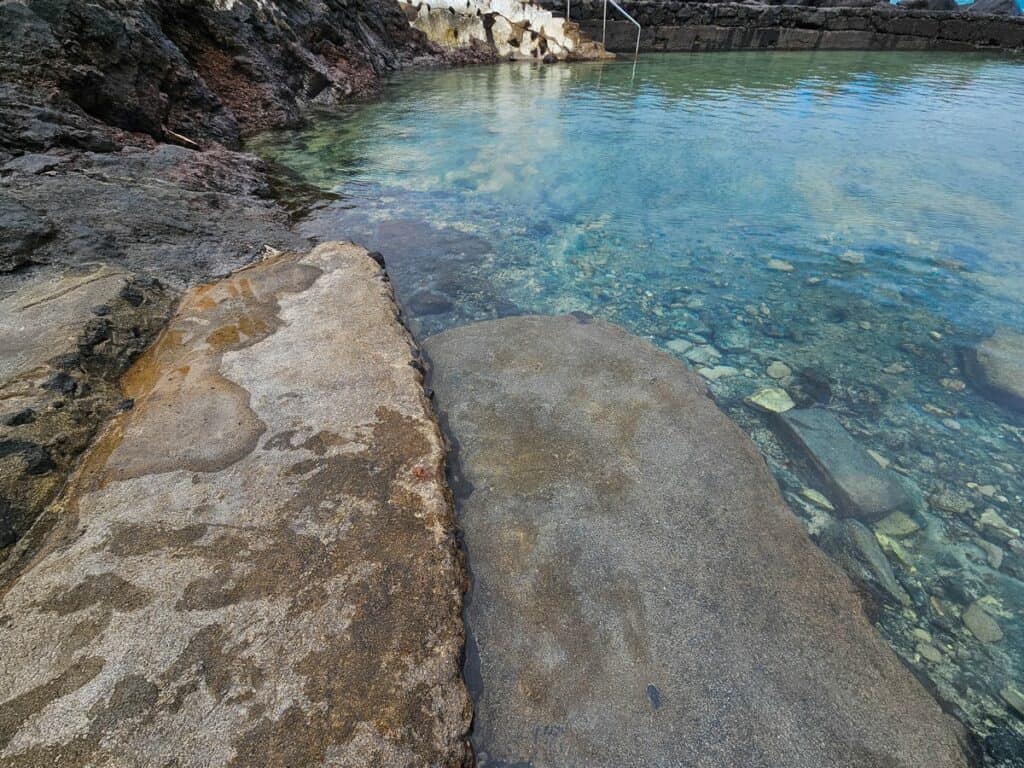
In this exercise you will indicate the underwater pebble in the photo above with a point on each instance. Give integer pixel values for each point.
(897, 525)
(929, 652)
(680, 346)
(953, 385)
(993, 554)
(703, 355)
(951, 424)
(936, 336)
(981, 625)
(1014, 698)
(947, 501)
(880, 460)
(852, 257)
(779, 265)
(771, 400)
(718, 372)
(779, 370)
(817, 498)
(992, 521)
(895, 369)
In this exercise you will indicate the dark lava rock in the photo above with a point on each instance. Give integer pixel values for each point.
(994, 7)
(855, 482)
(21, 230)
(929, 5)
(641, 593)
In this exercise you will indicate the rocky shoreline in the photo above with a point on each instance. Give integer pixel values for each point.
(123, 187)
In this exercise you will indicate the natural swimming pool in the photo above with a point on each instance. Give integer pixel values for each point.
(842, 226)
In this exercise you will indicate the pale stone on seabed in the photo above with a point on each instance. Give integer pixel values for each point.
(771, 400)
(981, 625)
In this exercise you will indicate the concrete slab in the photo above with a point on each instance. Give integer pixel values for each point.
(641, 594)
(256, 565)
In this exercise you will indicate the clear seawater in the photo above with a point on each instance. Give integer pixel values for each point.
(893, 184)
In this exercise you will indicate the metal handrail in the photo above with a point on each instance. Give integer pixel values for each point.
(604, 22)
(620, 9)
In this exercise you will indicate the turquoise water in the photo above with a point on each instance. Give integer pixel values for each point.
(858, 217)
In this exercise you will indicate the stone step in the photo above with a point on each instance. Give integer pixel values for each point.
(255, 565)
(641, 593)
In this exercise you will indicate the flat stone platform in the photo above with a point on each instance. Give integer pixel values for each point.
(254, 566)
(641, 594)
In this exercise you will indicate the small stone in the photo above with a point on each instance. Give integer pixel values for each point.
(1012, 696)
(922, 634)
(929, 653)
(981, 625)
(993, 554)
(864, 325)
(952, 424)
(992, 521)
(987, 490)
(880, 460)
(718, 372)
(852, 257)
(771, 400)
(936, 336)
(679, 346)
(816, 498)
(895, 369)
(951, 503)
(779, 370)
(779, 265)
(703, 354)
(897, 525)
(813, 280)
(953, 385)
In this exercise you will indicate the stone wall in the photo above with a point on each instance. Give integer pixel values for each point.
(669, 25)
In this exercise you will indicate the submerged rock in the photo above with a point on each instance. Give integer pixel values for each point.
(856, 548)
(771, 400)
(861, 487)
(641, 593)
(981, 625)
(256, 564)
(996, 366)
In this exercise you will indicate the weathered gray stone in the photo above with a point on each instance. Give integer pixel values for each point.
(996, 365)
(855, 481)
(256, 565)
(641, 594)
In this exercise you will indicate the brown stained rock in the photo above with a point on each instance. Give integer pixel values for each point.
(641, 594)
(263, 577)
(65, 339)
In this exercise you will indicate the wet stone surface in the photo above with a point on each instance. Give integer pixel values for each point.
(640, 592)
(903, 255)
(255, 565)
